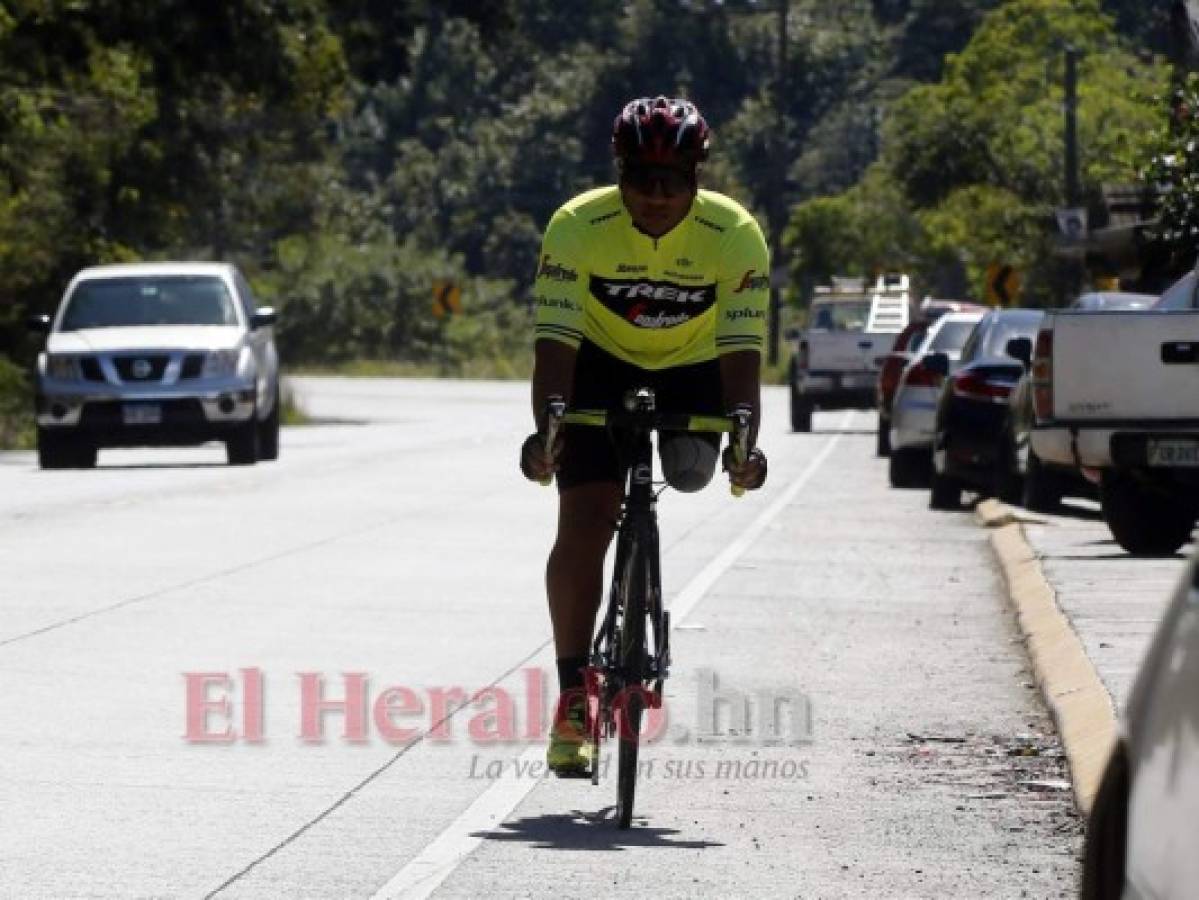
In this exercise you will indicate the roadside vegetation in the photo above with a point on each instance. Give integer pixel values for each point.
(350, 155)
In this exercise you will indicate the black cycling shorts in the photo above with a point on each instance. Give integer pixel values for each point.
(601, 381)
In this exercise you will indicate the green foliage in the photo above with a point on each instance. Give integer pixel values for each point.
(348, 154)
(1174, 169)
(16, 407)
(978, 156)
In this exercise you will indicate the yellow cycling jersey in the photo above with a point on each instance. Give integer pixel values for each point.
(697, 292)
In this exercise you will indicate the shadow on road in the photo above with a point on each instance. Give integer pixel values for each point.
(578, 830)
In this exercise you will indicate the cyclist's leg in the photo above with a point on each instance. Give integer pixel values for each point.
(590, 488)
(689, 460)
(587, 514)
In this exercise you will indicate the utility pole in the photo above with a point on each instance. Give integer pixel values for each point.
(777, 212)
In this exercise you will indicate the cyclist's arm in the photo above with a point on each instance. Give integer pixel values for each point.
(553, 373)
(742, 300)
(560, 292)
(741, 379)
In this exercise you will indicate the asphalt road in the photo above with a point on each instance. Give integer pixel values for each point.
(395, 553)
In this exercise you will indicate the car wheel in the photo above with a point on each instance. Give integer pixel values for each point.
(63, 451)
(1107, 831)
(1145, 519)
(883, 447)
(241, 448)
(946, 494)
(908, 467)
(801, 412)
(1041, 491)
(268, 433)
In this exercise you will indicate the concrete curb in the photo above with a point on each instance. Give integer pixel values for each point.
(1080, 704)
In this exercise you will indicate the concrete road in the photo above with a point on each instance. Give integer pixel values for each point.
(162, 617)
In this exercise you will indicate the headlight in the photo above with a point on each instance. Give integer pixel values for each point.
(221, 363)
(64, 368)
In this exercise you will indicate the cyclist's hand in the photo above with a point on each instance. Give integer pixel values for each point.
(751, 474)
(535, 463)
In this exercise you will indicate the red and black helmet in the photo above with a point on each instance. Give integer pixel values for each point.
(660, 131)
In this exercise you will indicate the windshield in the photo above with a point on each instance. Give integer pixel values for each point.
(1005, 329)
(850, 316)
(149, 300)
(950, 336)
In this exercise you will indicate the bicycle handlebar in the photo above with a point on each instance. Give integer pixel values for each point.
(736, 424)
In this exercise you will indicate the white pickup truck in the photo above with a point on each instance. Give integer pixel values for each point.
(850, 328)
(1117, 395)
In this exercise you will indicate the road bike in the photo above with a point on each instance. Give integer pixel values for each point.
(630, 656)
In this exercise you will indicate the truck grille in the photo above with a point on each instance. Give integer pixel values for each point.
(193, 365)
(149, 367)
(90, 366)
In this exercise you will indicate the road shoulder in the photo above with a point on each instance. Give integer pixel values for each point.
(1079, 703)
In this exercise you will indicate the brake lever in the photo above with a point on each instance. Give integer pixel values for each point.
(742, 414)
(555, 412)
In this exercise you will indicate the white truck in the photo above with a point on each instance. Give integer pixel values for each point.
(850, 327)
(1116, 394)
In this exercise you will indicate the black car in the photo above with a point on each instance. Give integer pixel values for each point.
(972, 411)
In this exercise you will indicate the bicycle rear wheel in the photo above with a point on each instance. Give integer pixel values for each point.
(635, 583)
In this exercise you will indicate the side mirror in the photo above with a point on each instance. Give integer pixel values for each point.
(1020, 348)
(937, 363)
(264, 317)
(38, 324)
(791, 334)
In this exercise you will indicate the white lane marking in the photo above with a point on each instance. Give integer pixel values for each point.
(424, 875)
(433, 865)
(687, 599)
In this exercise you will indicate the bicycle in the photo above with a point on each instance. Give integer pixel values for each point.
(622, 665)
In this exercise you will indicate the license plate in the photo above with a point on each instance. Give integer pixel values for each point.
(141, 413)
(1180, 453)
(858, 381)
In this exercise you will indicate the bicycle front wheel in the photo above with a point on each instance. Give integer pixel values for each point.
(635, 585)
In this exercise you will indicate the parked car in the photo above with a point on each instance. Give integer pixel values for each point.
(913, 412)
(891, 366)
(1115, 393)
(157, 354)
(1035, 484)
(1140, 835)
(971, 417)
(849, 325)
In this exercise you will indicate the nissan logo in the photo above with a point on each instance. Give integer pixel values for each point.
(141, 368)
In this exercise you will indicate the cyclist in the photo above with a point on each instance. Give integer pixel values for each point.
(651, 282)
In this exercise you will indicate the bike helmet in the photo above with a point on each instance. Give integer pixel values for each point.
(660, 131)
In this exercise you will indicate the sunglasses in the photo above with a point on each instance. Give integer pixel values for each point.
(643, 180)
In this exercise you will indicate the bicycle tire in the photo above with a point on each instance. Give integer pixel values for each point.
(635, 580)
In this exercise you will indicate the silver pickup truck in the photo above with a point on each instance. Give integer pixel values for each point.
(850, 327)
(1116, 394)
(157, 354)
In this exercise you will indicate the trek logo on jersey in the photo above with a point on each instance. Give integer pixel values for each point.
(653, 304)
(751, 283)
(556, 271)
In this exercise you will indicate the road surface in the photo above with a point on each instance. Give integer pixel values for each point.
(163, 616)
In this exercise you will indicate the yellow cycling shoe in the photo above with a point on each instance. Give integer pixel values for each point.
(569, 752)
